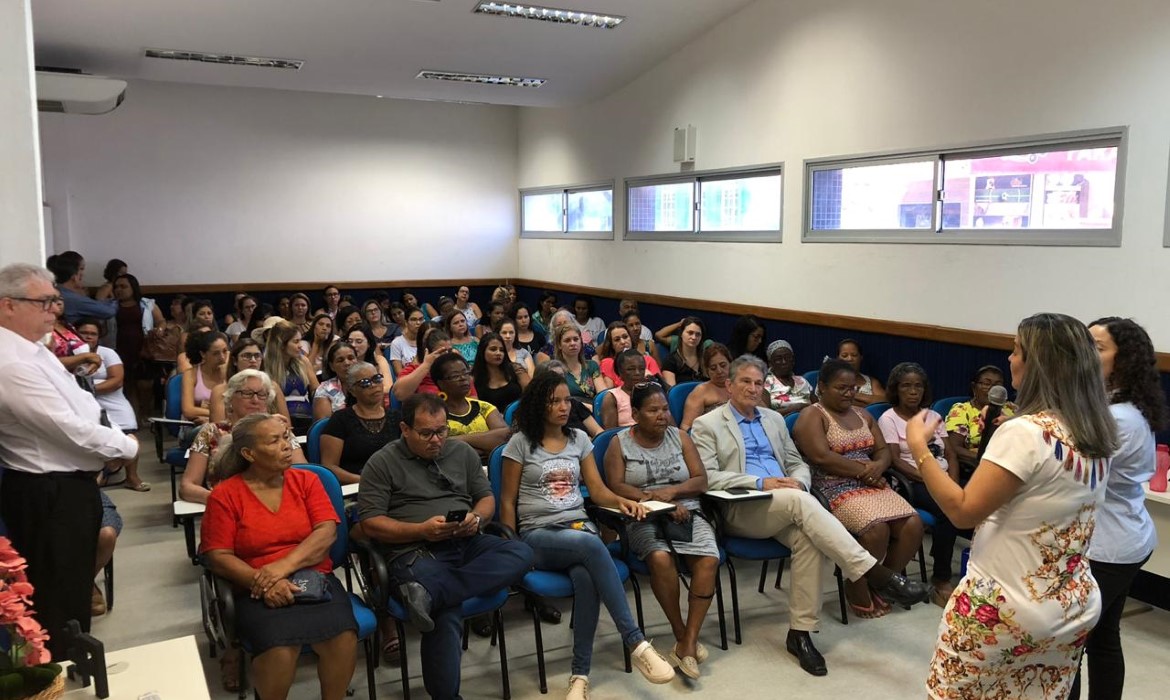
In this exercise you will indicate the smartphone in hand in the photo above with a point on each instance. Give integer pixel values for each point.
(456, 516)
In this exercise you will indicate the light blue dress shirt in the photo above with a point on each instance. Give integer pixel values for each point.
(1125, 533)
(759, 459)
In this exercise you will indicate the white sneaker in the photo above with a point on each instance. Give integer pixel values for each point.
(651, 664)
(578, 688)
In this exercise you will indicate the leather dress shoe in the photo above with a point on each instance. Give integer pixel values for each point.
(417, 602)
(903, 592)
(546, 611)
(800, 645)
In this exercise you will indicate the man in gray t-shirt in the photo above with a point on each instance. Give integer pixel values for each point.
(408, 489)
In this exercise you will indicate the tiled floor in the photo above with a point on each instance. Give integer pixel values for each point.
(157, 598)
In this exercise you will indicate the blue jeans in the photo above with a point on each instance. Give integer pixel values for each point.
(453, 571)
(583, 556)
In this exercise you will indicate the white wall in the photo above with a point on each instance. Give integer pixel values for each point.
(787, 81)
(195, 184)
(21, 237)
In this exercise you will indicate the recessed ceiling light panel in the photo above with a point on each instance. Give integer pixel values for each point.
(549, 14)
(480, 78)
(225, 58)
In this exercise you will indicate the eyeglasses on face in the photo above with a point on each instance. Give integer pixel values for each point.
(456, 376)
(432, 434)
(250, 394)
(45, 302)
(249, 356)
(368, 382)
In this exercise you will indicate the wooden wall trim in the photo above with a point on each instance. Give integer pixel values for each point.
(903, 329)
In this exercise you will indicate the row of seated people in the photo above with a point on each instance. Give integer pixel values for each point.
(540, 499)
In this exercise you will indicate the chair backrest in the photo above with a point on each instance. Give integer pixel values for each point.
(790, 421)
(663, 350)
(677, 399)
(340, 547)
(510, 411)
(313, 443)
(395, 404)
(597, 401)
(173, 402)
(601, 444)
(944, 406)
(496, 474)
(812, 378)
(877, 409)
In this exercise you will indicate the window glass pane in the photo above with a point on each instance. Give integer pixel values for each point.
(591, 210)
(665, 207)
(1071, 189)
(542, 212)
(873, 197)
(742, 204)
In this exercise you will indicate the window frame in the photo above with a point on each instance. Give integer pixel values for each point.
(565, 191)
(1073, 140)
(696, 178)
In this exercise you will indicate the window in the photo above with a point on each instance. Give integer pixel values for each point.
(567, 212)
(1062, 190)
(731, 205)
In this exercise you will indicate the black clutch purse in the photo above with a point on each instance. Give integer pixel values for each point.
(310, 586)
(674, 531)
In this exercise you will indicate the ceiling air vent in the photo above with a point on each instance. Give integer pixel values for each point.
(480, 78)
(225, 58)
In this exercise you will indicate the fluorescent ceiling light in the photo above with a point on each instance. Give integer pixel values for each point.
(225, 58)
(480, 78)
(549, 14)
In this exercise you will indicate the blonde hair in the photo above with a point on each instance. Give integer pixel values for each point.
(560, 333)
(1063, 377)
(276, 363)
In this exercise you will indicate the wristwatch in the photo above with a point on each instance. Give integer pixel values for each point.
(478, 521)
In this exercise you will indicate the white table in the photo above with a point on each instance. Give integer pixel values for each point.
(171, 670)
(1158, 504)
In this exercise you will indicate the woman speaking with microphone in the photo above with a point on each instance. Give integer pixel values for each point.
(1016, 624)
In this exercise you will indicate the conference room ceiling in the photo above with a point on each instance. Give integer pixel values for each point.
(373, 47)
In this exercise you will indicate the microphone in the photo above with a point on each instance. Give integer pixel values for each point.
(996, 398)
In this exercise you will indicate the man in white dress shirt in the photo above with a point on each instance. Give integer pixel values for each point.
(52, 444)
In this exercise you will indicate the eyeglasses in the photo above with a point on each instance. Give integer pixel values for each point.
(249, 394)
(45, 302)
(985, 384)
(369, 382)
(432, 434)
(249, 356)
(457, 376)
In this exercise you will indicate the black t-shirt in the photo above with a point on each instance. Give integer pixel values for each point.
(578, 412)
(358, 442)
(500, 397)
(682, 371)
(533, 346)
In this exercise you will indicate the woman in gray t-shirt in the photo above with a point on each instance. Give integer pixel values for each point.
(653, 460)
(545, 464)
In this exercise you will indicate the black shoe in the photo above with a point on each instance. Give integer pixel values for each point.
(482, 625)
(548, 613)
(903, 592)
(800, 645)
(418, 605)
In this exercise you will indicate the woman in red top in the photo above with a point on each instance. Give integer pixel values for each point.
(264, 523)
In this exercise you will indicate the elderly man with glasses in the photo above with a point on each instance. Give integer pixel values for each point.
(52, 445)
(745, 446)
(423, 501)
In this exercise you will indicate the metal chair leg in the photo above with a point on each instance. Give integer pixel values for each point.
(779, 572)
(841, 595)
(922, 562)
(402, 659)
(763, 574)
(109, 581)
(371, 656)
(638, 601)
(734, 600)
(498, 616)
(722, 615)
(539, 646)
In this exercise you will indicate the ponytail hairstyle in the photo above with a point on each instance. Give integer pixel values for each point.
(199, 343)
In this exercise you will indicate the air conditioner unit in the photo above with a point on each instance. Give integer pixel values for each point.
(73, 93)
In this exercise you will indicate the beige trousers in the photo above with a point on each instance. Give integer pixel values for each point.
(797, 520)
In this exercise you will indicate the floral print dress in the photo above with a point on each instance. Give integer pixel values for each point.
(1016, 625)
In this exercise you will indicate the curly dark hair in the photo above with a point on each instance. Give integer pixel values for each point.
(532, 412)
(831, 369)
(898, 374)
(1135, 371)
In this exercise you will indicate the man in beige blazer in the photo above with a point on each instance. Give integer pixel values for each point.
(745, 446)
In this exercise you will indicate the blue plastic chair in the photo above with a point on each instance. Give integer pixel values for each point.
(812, 378)
(638, 566)
(510, 411)
(944, 406)
(877, 409)
(313, 442)
(597, 401)
(790, 421)
(173, 457)
(339, 555)
(677, 399)
(540, 583)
